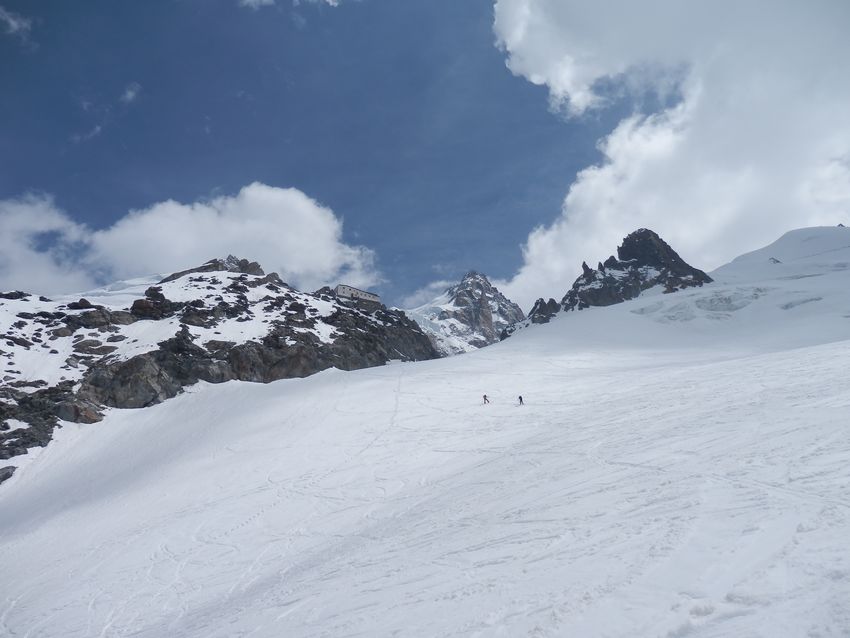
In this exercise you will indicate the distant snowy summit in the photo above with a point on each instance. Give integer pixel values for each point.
(643, 261)
(467, 316)
(135, 344)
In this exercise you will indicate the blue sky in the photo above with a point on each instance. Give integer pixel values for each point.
(400, 116)
(397, 144)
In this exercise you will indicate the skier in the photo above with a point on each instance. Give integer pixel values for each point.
(520, 400)
(486, 400)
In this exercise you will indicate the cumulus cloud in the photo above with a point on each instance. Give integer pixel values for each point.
(39, 246)
(282, 228)
(757, 141)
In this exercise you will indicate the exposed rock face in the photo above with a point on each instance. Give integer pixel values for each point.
(14, 294)
(224, 320)
(35, 413)
(543, 311)
(468, 316)
(285, 352)
(643, 261)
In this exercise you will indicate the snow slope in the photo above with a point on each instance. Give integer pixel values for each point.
(681, 468)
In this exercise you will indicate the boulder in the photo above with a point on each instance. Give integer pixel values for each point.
(82, 304)
(6, 472)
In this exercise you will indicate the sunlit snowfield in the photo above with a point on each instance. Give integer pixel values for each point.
(681, 468)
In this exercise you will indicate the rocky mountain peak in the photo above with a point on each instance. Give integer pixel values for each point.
(473, 285)
(473, 276)
(467, 316)
(646, 248)
(643, 261)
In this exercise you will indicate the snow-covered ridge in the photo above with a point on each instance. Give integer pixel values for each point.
(467, 316)
(138, 344)
(237, 305)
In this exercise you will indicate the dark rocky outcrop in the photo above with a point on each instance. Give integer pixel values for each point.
(643, 261)
(153, 377)
(97, 319)
(6, 472)
(40, 411)
(154, 306)
(543, 311)
(82, 304)
(286, 352)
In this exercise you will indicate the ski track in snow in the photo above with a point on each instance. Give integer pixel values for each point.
(670, 475)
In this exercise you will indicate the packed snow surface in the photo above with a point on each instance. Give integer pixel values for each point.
(681, 468)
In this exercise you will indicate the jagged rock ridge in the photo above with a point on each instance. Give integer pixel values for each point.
(643, 261)
(469, 315)
(137, 347)
(230, 264)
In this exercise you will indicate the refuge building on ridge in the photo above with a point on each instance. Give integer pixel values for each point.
(355, 294)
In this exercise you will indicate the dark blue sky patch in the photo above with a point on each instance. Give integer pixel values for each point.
(401, 116)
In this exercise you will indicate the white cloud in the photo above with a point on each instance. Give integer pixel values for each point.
(426, 294)
(14, 24)
(283, 229)
(131, 92)
(758, 142)
(38, 243)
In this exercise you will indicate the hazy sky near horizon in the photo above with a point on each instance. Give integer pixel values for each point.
(396, 145)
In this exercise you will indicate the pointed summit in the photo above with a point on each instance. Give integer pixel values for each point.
(467, 316)
(643, 261)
